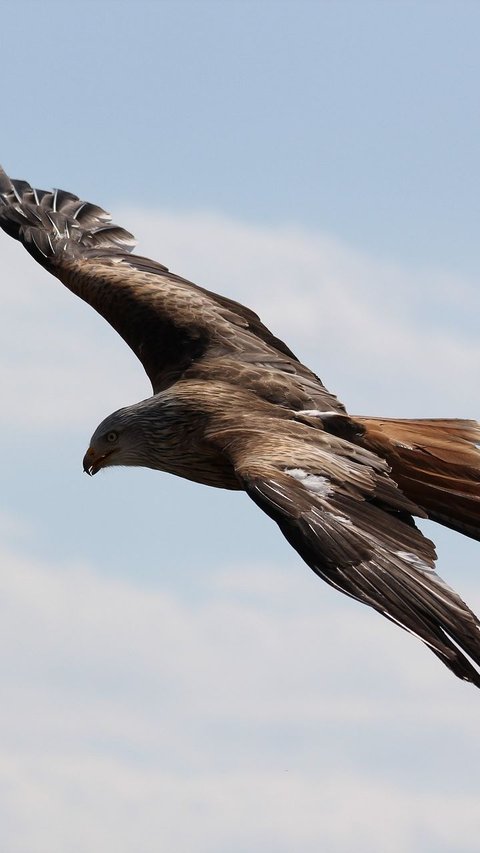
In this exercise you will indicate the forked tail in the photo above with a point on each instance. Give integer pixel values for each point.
(436, 463)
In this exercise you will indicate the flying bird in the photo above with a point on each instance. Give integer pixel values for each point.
(233, 407)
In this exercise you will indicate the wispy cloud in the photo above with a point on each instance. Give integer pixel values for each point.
(385, 332)
(125, 708)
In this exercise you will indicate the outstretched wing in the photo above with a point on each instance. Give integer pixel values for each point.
(174, 327)
(337, 506)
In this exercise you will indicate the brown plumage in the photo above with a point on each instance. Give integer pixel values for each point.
(234, 408)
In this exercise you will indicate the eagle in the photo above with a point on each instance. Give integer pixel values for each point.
(233, 407)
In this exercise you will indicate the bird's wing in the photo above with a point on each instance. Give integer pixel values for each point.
(174, 327)
(337, 506)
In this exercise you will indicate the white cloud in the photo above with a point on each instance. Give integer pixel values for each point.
(377, 333)
(131, 716)
(210, 813)
(388, 334)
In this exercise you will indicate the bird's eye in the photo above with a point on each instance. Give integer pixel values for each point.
(111, 436)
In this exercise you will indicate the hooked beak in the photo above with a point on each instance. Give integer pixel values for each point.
(92, 463)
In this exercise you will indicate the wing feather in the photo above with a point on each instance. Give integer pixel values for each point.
(175, 327)
(366, 547)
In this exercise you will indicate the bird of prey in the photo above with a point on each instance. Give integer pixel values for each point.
(233, 407)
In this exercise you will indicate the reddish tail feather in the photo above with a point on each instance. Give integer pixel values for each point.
(436, 463)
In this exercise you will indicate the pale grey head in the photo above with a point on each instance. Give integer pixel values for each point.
(133, 435)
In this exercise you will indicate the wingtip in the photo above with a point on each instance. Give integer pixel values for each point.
(45, 221)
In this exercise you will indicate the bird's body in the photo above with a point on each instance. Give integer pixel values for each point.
(233, 407)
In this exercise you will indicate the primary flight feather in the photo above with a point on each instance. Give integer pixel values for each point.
(233, 407)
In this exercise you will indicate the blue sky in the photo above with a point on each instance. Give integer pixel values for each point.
(357, 117)
(170, 669)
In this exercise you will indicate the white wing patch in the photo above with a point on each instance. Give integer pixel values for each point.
(415, 561)
(316, 413)
(314, 483)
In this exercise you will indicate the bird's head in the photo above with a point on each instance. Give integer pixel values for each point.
(118, 440)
